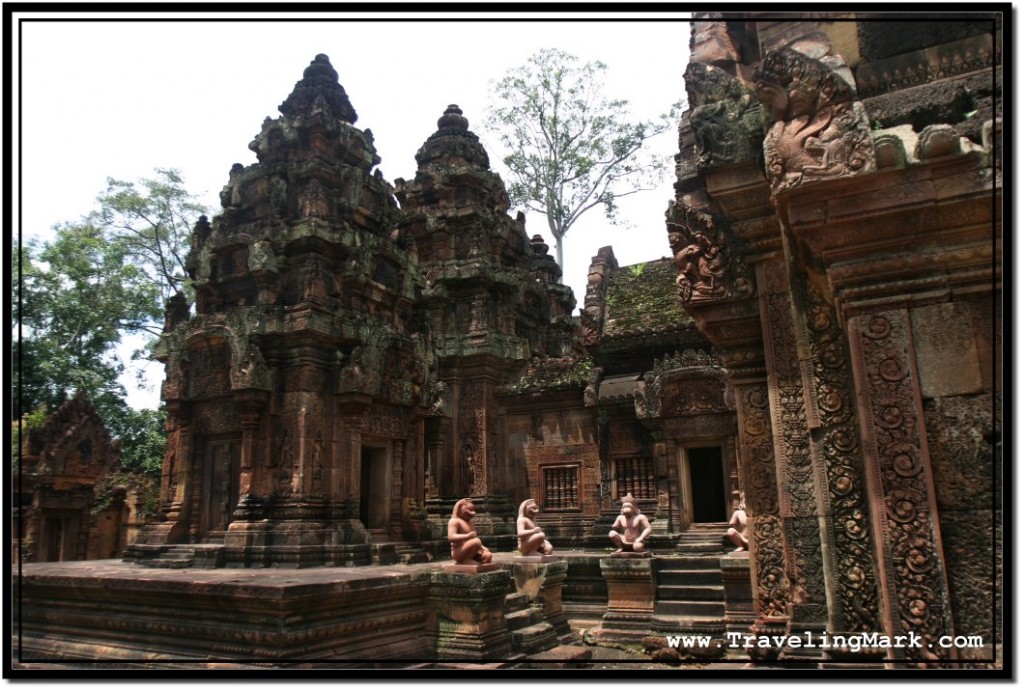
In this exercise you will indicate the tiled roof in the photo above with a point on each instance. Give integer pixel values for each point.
(550, 374)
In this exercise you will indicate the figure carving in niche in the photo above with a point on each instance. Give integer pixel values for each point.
(477, 321)
(252, 372)
(170, 458)
(441, 398)
(353, 373)
(222, 466)
(468, 454)
(313, 202)
(634, 526)
(172, 486)
(467, 548)
(532, 541)
(318, 464)
(314, 281)
(738, 533)
(429, 486)
(279, 195)
(590, 394)
(286, 464)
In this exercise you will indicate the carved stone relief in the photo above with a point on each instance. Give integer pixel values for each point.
(817, 131)
(856, 580)
(911, 546)
(725, 118)
(708, 269)
(758, 463)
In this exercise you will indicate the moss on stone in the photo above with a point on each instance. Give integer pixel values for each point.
(645, 298)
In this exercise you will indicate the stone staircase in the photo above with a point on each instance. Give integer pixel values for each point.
(387, 553)
(198, 556)
(704, 538)
(690, 596)
(529, 631)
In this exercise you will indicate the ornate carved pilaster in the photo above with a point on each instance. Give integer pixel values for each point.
(798, 506)
(181, 491)
(473, 435)
(915, 594)
(757, 459)
(849, 568)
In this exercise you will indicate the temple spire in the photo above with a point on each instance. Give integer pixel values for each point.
(319, 88)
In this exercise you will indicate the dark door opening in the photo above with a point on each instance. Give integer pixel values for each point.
(373, 495)
(59, 538)
(223, 466)
(707, 484)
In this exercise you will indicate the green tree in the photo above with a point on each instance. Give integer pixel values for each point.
(79, 295)
(571, 149)
(153, 219)
(143, 440)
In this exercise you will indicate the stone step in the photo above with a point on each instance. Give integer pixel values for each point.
(712, 538)
(692, 608)
(692, 562)
(689, 577)
(516, 601)
(174, 552)
(700, 548)
(534, 639)
(714, 593)
(170, 563)
(718, 527)
(695, 625)
(523, 618)
(466, 665)
(561, 657)
(412, 555)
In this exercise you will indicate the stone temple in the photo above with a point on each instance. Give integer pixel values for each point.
(824, 343)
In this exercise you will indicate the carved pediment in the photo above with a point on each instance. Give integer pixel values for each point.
(703, 252)
(726, 118)
(817, 130)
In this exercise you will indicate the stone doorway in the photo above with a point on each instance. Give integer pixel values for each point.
(374, 498)
(59, 538)
(703, 476)
(222, 468)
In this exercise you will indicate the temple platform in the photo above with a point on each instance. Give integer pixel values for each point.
(116, 611)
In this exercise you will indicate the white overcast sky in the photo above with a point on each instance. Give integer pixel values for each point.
(103, 98)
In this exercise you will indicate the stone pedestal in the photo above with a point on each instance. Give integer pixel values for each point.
(465, 614)
(630, 580)
(470, 568)
(541, 579)
(739, 598)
